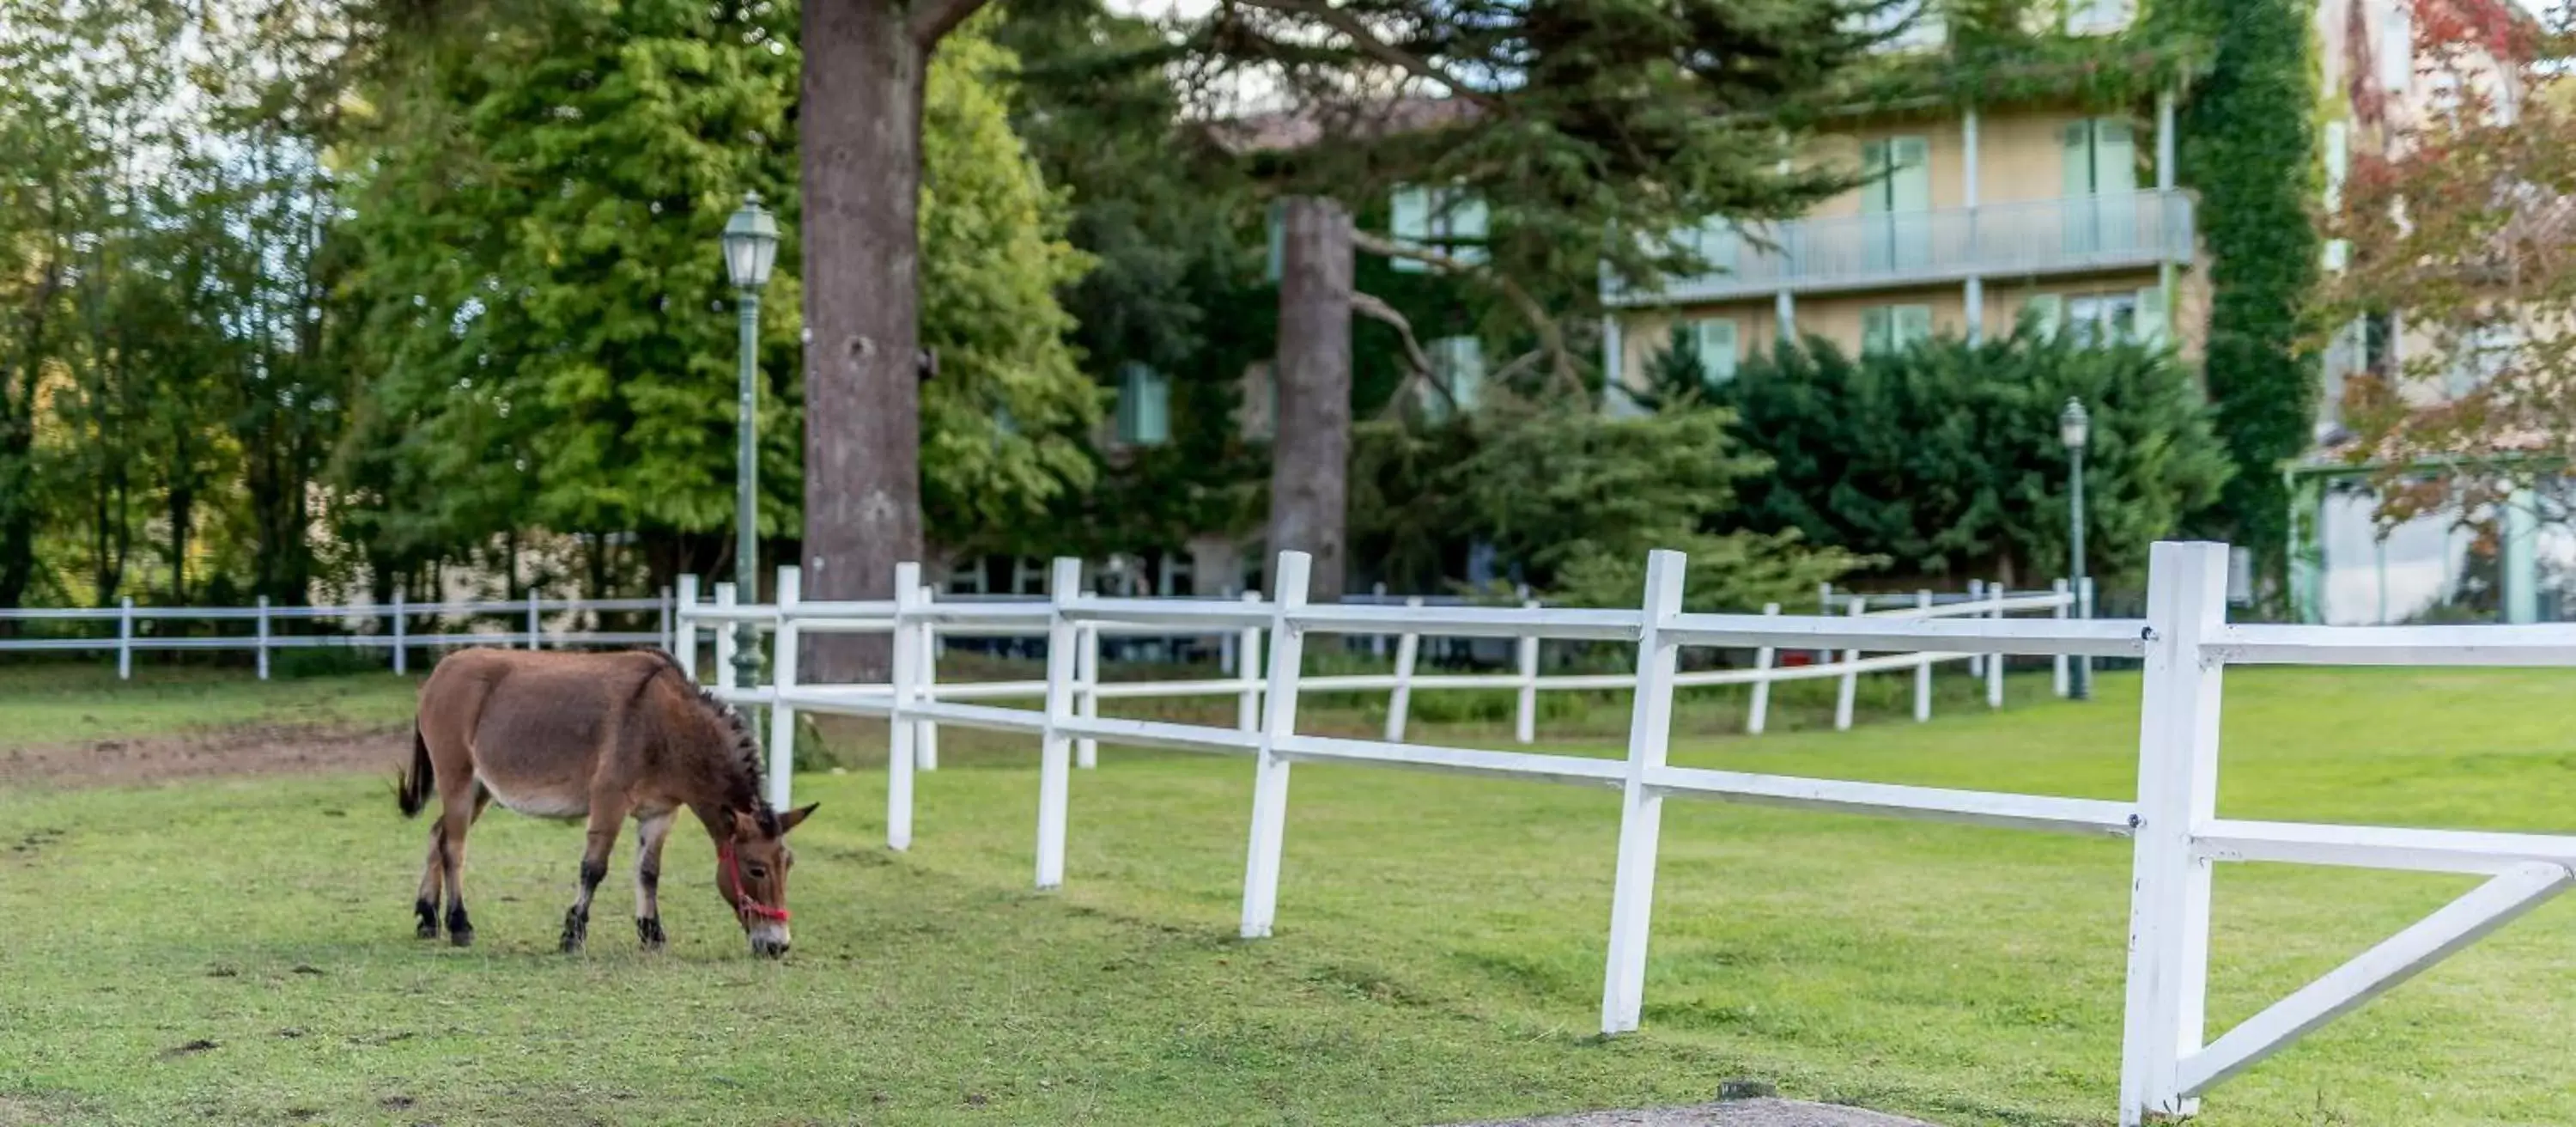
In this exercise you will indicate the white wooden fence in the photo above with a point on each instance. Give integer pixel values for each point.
(390, 624)
(1244, 680)
(2184, 642)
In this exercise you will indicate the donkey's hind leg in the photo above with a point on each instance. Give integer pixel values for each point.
(425, 905)
(456, 815)
(607, 811)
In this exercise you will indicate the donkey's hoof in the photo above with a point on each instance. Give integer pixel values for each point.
(462, 937)
(650, 932)
(576, 929)
(428, 929)
(428, 916)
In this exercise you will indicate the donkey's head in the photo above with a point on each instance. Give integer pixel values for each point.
(751, 873)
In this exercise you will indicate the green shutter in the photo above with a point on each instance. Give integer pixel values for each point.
(1278, 243)
(1467, 226)
(2151, 315)
(2049, 310)
(2075, 167)
(1874, 166)
(1913, 325)
(1715, 340)
(1877, 329)
(1909, 182)
(1410, 222)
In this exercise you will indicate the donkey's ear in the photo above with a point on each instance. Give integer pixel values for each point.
(793, 818)
(745, 826)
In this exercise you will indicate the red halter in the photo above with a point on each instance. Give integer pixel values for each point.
(742, 901)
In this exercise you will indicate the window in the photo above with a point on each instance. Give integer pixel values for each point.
(2101, 318)
(2099, 169)
(2396, 48)
(2097, 17)
(2484, 353)
(1144, 406)
(1896, 202)
(1459, 364)
(1449, 220)
(1894, 328)
(2047, 311)
(1714, 339)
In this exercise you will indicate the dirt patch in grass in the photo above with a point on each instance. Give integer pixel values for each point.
(250, 749)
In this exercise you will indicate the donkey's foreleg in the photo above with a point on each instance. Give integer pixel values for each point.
(650, 831)
(606, 812)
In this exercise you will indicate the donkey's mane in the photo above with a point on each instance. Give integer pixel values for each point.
(746, 745)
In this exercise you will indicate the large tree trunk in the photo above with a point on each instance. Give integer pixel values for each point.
(1310, 455)
(860, 125)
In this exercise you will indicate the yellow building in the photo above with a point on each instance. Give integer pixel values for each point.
(1969, 218)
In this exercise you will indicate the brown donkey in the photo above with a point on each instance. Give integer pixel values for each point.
(605, 737)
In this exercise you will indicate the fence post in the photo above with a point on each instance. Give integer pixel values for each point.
(1247, 706)
(662, 618)
(1526, 724)
(2058, 678)
(125, 639)
(1269, 771)
(1760, 713)
(1408, 645)
(684, 626)
(725, 634)
(2177, 791)
(263, 637)
(1641, 807)
(907, 680)
(1225, 646)
(532, 617)
(782, 719)
(402, 627)
(1995, 662)
(1976, 594)
(1086, 751)
(1055, 780)
(1377, 642)
(925, 740)
(1923, 672)
(1851, 675)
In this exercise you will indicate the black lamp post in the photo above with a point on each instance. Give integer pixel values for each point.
(750, 249)
(2075, 429)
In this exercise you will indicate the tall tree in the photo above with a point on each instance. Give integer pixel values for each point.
(1557, 124)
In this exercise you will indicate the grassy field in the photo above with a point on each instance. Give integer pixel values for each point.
(240, 952)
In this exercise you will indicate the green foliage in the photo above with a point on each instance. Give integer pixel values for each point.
(993, 258)
(540, 231)
(1945, 459)
(2248, 141)
(1575, 499)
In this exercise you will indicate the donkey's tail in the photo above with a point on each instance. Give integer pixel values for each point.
(411, 792)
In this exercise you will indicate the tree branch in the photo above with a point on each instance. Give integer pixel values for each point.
(932, 20)
(1418, 365)
(1368, 43)
(1551, 336)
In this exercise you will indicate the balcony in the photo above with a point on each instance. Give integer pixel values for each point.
(2074, 235)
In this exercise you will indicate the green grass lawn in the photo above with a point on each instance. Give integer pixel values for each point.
(1438, 955)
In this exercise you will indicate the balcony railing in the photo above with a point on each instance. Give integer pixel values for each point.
(1854, 252)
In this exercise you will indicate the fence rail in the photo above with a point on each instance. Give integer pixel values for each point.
(391, 623)
(2183, 644)
(1407, 620)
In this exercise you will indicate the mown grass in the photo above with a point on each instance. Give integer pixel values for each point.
(62, 703)
(1438, 955)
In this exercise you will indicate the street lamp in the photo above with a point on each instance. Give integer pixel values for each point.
(750, 249)
(2075, 429)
